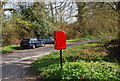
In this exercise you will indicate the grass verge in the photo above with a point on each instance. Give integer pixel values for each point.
(79, 39)
(89, 62)
(10, 48)
(83, 38)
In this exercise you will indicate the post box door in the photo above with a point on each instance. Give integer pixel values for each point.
(60, 39)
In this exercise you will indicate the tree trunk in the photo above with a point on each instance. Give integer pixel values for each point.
(118, 9)
(52, 12)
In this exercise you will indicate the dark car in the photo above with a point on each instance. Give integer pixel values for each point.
(47, 40)
(32, 43)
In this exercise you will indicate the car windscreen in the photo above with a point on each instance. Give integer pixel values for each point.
(42, 38)
(33, 40)
(26, 40)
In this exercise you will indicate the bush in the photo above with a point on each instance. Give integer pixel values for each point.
(82, 70)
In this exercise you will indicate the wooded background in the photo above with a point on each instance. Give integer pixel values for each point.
(78, 19)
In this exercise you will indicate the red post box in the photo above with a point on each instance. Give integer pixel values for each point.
(60, 39)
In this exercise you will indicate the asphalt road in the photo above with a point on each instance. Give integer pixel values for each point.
(14, 65)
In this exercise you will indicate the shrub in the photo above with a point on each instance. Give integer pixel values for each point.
(82, 70)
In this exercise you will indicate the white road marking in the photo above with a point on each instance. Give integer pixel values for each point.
(26, 58)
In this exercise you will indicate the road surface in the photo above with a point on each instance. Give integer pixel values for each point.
(14, 65)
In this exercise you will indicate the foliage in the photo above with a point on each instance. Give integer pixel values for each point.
(38, 17)
(92, 71)
(113, 49)
(91, 19)
(28, 21)
(15, 30)
(41, 19)
(84, 62)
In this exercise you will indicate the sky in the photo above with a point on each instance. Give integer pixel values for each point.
(68, 20)
(61, 0)
(8, 5)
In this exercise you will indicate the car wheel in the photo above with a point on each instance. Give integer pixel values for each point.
(23, 48)
(43, 44)
(53, 42)
(36, 46)
(33, 46)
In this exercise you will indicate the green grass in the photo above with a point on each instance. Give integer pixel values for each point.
(88, 62)
(83, 38)
(10, 47)
(88, 71)
(80, 39)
